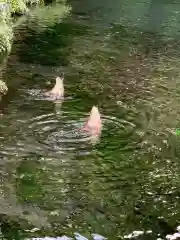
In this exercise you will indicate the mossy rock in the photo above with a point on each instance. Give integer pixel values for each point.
(6, 33)
(31, 2)
(6, 36)
(3, 87)
(18, 6)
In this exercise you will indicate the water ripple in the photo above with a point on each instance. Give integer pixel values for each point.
(50, 134)
(55, 134)
(38, 94)
(59, 129)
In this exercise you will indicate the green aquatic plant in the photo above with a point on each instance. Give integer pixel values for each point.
(178, 132)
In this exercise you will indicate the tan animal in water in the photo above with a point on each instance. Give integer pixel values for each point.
(57, 92)
(93, 124)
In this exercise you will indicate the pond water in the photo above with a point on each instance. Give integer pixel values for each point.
(124, 58)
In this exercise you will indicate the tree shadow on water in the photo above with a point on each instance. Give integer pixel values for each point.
(51, 47)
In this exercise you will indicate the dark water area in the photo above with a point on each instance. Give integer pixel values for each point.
(123, 57)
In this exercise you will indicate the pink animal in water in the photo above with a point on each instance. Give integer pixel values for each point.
(57, 92)
(93, 124)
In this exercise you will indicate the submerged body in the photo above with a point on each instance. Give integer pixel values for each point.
(93, 124)
(57, 92)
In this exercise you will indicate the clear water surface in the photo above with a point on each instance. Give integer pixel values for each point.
(124, 57)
